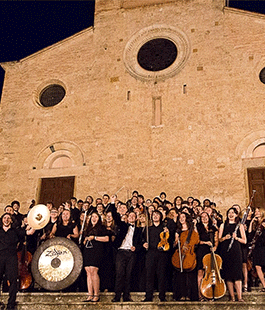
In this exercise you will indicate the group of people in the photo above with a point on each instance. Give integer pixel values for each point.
(144, 245)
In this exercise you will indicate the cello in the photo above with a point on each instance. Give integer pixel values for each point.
(212, 285)
(184, 258)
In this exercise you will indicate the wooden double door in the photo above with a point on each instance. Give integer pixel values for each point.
(57, 190)
(256, 181)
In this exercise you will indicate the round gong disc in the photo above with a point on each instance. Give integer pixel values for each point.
(56, 264)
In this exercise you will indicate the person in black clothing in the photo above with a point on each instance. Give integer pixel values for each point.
(257, 234)
(185, 286)
(75, 212)
(127, 243)
(18, 216)
(46, 231)
(65, 227)
(232, 256)
(156, 259)
(94, 238)
(8, 257)
(208, 235)
(107, 272)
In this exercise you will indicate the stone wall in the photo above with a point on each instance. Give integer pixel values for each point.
(212, 106)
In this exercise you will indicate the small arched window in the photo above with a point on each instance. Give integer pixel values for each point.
(259, 151)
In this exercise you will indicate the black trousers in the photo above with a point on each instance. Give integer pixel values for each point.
(125, 261)
(185, 284)
(9, 267)
(156, 264)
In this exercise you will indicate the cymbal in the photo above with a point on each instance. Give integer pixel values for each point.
(57, 263)
(38, 217)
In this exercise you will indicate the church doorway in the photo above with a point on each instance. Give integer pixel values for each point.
(57, 190)
(256, 181)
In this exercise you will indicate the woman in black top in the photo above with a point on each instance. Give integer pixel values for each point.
(257, 232)
(94, 238)
(65, 227)
(232, 258)
(208, 235)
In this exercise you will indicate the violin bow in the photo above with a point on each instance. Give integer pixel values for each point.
(147, 226)
(180, 256)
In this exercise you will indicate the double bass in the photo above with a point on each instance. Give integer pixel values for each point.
(24, 260)
(184, 258)
(212, 285)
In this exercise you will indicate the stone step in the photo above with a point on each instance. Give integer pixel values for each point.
(61, 301)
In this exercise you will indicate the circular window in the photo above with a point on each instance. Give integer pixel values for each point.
(52, 95)
(262, 75)
(157, 54)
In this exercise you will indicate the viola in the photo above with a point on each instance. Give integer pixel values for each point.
(24, 260)
(184, 258)
(212, 285)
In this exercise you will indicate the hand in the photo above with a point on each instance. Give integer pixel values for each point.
(89, 238)
(166, 229)
(132, 248)
(208, 243)
(227, 237)
(145, 245)
(69, 236)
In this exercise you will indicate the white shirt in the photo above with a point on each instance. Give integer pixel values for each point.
(127, 242)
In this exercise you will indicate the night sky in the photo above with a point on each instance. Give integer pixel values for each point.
(29, 26)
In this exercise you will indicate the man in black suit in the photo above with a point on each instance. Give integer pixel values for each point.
(8, 257)
(157, 256)
(128, 241)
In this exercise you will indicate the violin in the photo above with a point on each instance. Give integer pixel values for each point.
(24, 260)
(212, 285)
(163, 245)
(184, 258)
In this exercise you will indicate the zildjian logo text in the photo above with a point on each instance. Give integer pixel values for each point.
(55, 252)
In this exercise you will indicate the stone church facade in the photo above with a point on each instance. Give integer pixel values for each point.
(157, 96)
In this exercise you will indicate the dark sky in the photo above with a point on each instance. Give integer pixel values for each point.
(29, 26)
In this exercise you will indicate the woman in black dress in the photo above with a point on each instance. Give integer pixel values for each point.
(94, 238)
(257, 233)
(185, 286)
(65, 227)
(232, 258)
(208, 235)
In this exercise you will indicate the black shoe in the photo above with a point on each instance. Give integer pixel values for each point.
(147, 300)
(163, 299)
(115, 299)
(96, 298)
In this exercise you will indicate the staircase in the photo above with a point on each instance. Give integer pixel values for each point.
(254, 300)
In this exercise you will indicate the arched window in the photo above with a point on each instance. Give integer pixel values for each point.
(62, 162)
(259, 151)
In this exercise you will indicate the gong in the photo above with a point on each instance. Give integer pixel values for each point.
(57, 263)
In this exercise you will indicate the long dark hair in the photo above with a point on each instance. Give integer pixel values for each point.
(188, 221)
(200, 225)
(93, 230)
(237, 219)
